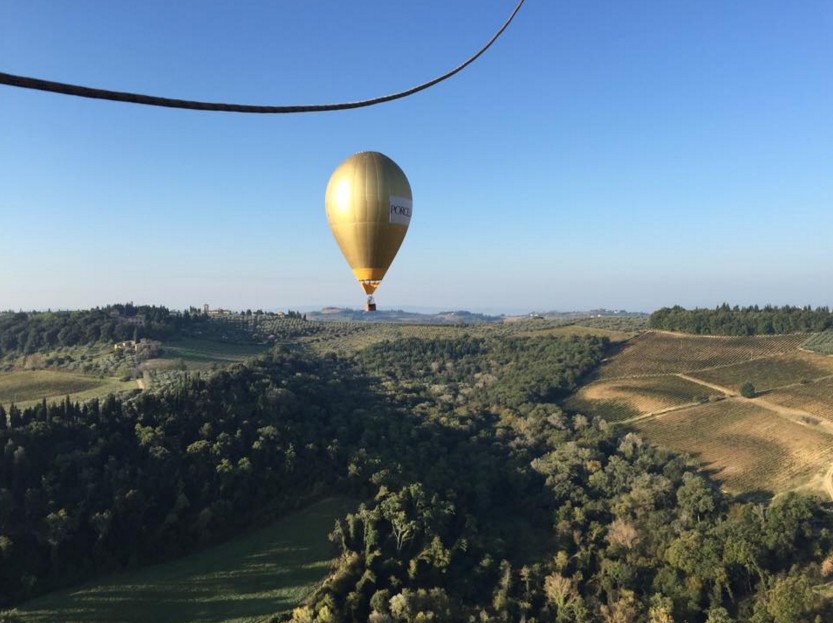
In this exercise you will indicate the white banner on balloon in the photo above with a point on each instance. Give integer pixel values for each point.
(400, 210)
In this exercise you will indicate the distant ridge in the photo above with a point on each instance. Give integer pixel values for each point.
(345, 314)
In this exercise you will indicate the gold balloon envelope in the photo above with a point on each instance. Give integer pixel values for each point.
(369, 205)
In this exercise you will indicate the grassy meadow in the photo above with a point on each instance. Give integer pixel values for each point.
(345, 338)
(93, 371)
(244, 580)
(87, 372)
(201, 354)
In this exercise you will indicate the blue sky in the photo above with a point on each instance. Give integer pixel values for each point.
(601, 154)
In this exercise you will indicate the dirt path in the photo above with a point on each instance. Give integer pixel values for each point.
(659, 412)
(694, 371)
(823, 479)
(796, 416)
(723, 390)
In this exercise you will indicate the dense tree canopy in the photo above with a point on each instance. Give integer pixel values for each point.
(754, 320)
(29, 332)
(122, 481)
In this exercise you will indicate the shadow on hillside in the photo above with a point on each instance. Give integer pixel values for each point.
(758, 496)
(611, 350)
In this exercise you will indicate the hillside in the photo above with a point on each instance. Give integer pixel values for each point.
(343, 314)
(247, 579)
(85, 354)
(684, 392)
(479, 497)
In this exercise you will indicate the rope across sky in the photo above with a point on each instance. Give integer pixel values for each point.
(152, 100)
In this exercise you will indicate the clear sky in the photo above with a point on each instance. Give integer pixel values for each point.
(602, 154)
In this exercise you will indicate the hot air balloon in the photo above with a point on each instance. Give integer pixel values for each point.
(369, 205)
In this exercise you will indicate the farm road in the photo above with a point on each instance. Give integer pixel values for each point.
(794, 415)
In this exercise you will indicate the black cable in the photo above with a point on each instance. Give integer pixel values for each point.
(151, 100)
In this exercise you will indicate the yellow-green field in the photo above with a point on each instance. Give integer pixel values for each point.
(362, 337)
(28, 387)
(91, 371)
(681, 391)
(197, 354)
(575, 329)
(821, 343)
(269, 571)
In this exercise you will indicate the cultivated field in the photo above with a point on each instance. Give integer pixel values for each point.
(682, 391)
(658, 352)
(198, 354)
(816, 398)
(244, 580)
(820, 343)
(614, 335)
(360, 336)
(86, 372)
(27, 387)
(629, 397)
(766, 374)
(747, 448)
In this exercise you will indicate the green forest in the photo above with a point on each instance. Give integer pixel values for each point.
(753, 320)
(30, 332)
(480, 498)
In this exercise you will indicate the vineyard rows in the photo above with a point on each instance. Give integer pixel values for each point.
(629, 397)
(820, 343)
(663, 353)
(814, 398)
(769, 373)
(747, 448)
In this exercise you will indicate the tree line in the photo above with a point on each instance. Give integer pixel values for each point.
(741, 321)
(29, 332)
(87, 488)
